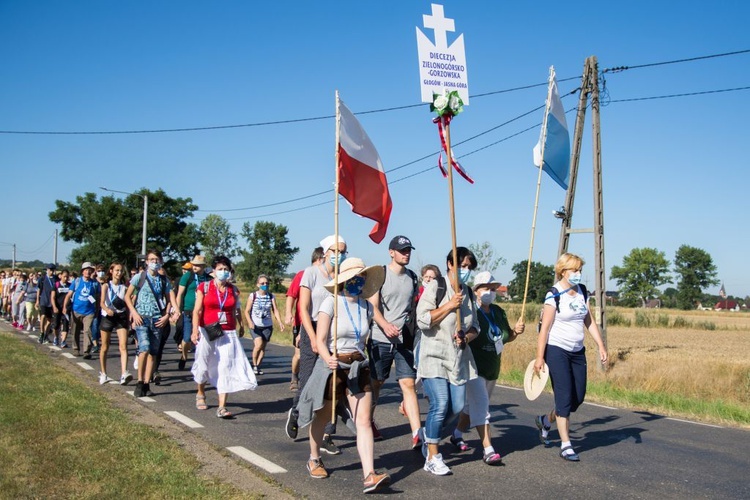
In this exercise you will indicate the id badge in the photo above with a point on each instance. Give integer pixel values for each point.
(162, 304)
(222, 318)
(499, 346)
(91, 299)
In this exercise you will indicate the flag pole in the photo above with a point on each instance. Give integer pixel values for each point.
(336, 262)
(538, 188)
(454, 250)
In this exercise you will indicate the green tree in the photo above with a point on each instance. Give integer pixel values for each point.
(487, 260)
(695, 270)
(110, 228)
(269, 252)
(669, 297)
(217, 238)
(541, 277)
(642, 271)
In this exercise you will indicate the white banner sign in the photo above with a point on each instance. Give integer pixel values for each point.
(441, 68)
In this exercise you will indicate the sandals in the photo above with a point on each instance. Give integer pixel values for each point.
(459, 443)
(222, 412)
(570, 457)
(200, 402)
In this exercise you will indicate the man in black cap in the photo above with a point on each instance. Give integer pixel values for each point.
(392, 336)
(44, 303)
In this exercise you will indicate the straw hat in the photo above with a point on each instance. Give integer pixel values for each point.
(534, 384)
(198, 260)
(351, 267)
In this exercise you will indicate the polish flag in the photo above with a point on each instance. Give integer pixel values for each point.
(361, 177)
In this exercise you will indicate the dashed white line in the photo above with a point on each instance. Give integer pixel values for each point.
(256, 459)
(696, 423)
(600, 406)
(84, 366)
(68, 355)
(183, 419)
(54, 347)
(144, 398)
(509, 387)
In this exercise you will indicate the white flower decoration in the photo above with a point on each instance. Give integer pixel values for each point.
(440, 102)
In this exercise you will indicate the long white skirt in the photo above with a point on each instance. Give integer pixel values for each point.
(223, 364)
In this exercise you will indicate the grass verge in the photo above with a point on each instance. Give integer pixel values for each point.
(58, 438)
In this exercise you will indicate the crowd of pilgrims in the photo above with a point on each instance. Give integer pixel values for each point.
(441, 335)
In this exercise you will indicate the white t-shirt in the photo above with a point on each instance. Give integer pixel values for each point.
(567, 329)
(313, 279)
(262, 309)
(353, 324)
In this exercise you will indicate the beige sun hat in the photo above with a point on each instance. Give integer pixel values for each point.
(198, 260)
(351, 267)
(534, 384)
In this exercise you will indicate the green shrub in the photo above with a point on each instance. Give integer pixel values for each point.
(642, 319)
(616, 319)
(706, 325)
(681, 322)
(662, 320)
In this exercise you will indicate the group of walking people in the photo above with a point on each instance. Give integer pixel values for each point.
(351, 325)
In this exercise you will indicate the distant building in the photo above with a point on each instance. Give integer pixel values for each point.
(727, 305)
(653, 304)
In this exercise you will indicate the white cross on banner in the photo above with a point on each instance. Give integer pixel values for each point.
(441, 67)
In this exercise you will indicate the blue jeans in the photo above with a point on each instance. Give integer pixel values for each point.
(187, 325)
(446, 402)
(95, 335)
(149, 335)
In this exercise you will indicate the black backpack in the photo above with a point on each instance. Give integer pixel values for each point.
(442, 285)
(556, 296)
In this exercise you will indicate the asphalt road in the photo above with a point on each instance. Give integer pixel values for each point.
(624, 453)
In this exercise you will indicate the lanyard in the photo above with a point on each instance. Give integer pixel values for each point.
(51, 283)
(495, 333)
(218, 297)
(358, 326)
(155, 284)
(112, 293)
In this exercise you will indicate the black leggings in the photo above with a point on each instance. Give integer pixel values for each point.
(567, 370)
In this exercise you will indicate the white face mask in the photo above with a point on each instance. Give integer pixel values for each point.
(574, 279)
(488, 297)
(154, 266)
(100, 274)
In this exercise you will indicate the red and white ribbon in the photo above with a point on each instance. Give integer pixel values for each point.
(461, 171)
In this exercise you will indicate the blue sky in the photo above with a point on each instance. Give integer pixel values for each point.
(673, 169)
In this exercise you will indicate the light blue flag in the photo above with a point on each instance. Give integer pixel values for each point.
(557, 146)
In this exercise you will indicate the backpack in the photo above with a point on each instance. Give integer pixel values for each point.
(235, 291)
(442, 290)
(408, 331)
(556, 296)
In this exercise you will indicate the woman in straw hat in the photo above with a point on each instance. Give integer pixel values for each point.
(344, 354)
(560, 344)
(487, 348)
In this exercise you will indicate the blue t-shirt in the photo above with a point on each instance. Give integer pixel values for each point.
(46, 285)
(85, 296)
(146, 304)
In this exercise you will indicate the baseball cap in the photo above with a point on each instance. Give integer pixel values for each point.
(87, 265)
(400, 243)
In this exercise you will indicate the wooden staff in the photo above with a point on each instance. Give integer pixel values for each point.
(456, 264)
(538, 187)
(336, 262)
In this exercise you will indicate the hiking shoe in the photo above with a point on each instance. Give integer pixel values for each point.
(375, 481)
(543, 430)
(126, 378)
(147, 390)
(255, 370)
(329, 446)
(56, 342)
(138, 392)
(86, 355)
(493, 458)
(95, 349)
(459, 443)
(568, 454)
(376, 435)
(416, 441)
(41, 339)
(437, 466)
(63, 345)
(156, 378)
(291, 424)
(316, 468)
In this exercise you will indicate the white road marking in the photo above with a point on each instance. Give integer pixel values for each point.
(68, 355)
(600, 406)
(145, 399)
(183, 419)
(696, 423)
(54, 347)
(85, 366)
(256, 459)
(509, 387)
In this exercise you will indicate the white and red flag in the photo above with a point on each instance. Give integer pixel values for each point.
(362, 179)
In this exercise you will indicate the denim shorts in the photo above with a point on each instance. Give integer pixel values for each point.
(149, 336)
(382, 355)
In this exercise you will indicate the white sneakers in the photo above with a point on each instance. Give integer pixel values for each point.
(126, 378)
(104, 379)
(437, 466)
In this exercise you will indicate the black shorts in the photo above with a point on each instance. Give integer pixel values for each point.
(46, 311)
(120, 321)
(262, 332)
(295, 334)
(61, 321)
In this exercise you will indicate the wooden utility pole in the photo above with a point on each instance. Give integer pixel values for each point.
(589, 87)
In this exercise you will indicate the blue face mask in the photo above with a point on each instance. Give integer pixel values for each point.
(464, 275)
(574, 279)
(154, 266)
(221, 274)
(355, 285)
(264, 288)
(332, 259)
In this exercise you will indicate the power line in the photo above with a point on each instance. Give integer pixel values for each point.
(680, 95)
(328, 117)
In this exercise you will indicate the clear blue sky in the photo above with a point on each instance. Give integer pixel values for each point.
(674, 170)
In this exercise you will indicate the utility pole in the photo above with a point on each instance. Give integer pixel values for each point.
(589, 87)
(14, 256)
(54, 255)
